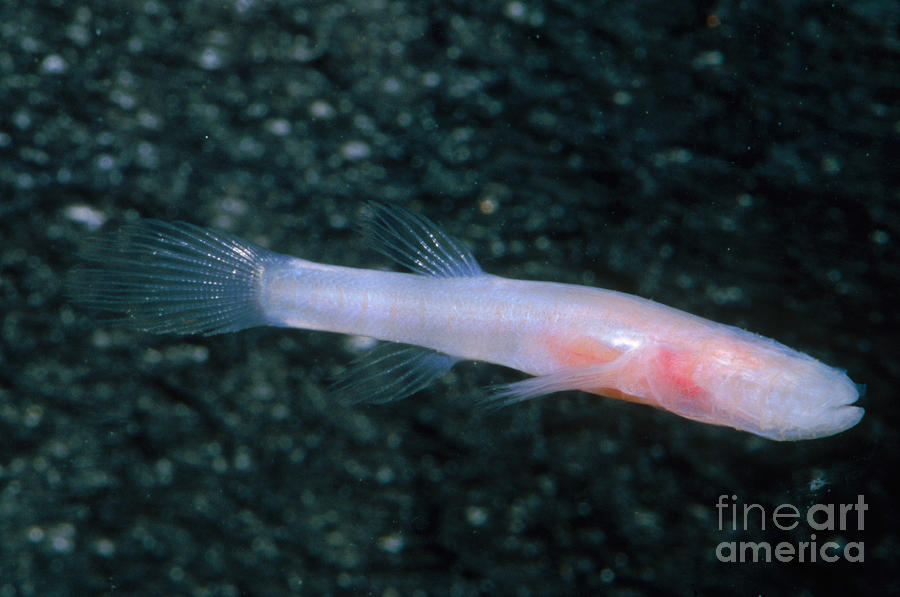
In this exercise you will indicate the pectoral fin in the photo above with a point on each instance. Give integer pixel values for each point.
(602, 378)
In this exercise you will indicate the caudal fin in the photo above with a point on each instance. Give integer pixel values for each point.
(174, 277)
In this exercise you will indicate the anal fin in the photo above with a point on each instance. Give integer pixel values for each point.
(390, 372)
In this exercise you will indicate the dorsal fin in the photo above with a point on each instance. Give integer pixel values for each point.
(416, 243)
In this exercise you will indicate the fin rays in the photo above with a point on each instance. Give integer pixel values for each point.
(571, 378)
(172, 277)
(390, 372)
(414, 242)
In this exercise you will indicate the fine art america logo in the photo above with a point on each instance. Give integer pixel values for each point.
(827, 519)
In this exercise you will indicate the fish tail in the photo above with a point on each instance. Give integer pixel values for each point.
(174, 277)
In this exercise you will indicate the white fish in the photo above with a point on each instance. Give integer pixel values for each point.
(179, 278)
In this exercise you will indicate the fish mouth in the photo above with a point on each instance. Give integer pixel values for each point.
(836, 420)
(840, 414)
(836, 417)
(847, 416)
(829, 409)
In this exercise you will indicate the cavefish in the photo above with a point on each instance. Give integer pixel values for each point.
(175, 277)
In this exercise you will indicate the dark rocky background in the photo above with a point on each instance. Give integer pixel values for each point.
(737, 160)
